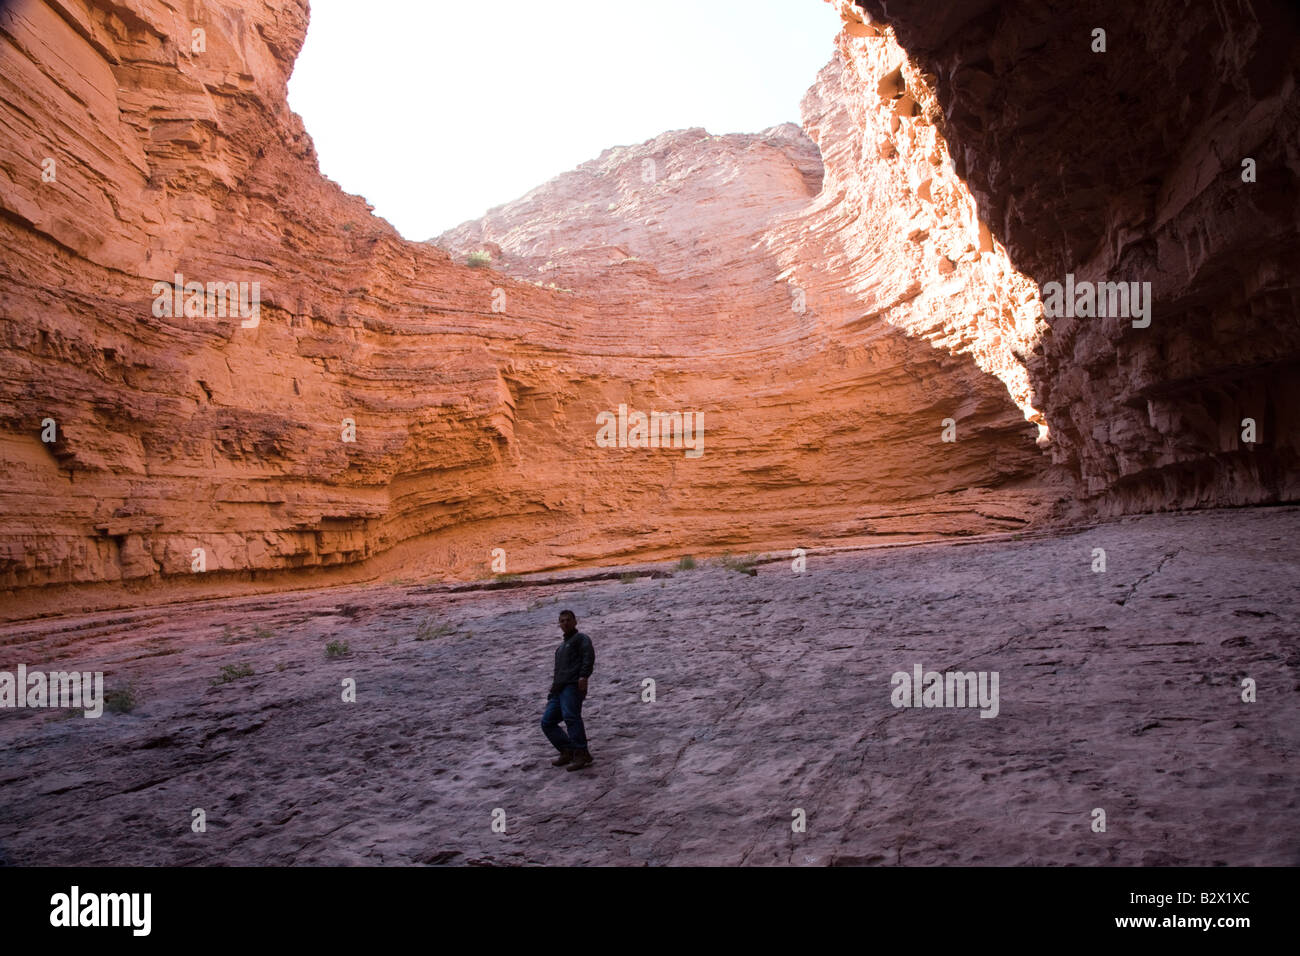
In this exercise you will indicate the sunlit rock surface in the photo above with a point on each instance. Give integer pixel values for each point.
(826, 323)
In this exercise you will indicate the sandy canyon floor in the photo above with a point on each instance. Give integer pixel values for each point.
(1119, 690)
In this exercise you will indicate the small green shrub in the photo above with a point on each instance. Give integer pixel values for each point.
(687, 563)
(121, 700)
(741, 565)
(479, 259)
(427, 631)
(231, 672)
(336, 649)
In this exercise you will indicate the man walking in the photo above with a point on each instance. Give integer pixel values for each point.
(574, 660)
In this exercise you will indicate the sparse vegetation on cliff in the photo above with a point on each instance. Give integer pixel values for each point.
(428, 630)
(743, 564)
(121, 700)
(233, 672)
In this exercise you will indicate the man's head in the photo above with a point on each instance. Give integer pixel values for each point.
(568, 622)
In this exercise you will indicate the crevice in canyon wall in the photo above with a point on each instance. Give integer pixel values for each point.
(832, 301)
(1109, 157)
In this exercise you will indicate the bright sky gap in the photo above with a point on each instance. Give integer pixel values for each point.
(437, 111)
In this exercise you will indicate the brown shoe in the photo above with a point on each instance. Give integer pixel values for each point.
(581, 758)
(566, 756)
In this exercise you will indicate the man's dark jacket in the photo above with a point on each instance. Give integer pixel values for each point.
(574, 658)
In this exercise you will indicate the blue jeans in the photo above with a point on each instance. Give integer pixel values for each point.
(567, 704)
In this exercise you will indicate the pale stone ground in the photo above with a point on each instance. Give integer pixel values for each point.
(1117, 690)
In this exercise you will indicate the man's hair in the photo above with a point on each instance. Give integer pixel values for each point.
(568, 612)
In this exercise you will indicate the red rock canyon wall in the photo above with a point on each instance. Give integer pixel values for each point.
(825, 298)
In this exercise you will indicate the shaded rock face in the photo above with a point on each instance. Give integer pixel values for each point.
(1127, 165)
(736, 279)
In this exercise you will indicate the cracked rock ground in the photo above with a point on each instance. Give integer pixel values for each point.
(1119, 690)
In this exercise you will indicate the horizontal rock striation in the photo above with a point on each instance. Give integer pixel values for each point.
(825, 320)
(1127, 165)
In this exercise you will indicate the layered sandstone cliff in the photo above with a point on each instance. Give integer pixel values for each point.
(474, 395)
(885, 240)
(826, 299)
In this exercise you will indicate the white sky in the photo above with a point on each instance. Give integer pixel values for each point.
(438, 110)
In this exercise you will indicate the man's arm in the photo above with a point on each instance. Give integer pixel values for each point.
(587, 666)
